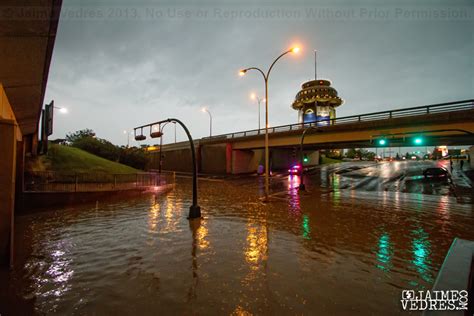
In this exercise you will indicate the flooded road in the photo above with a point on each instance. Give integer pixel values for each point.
(337, 249)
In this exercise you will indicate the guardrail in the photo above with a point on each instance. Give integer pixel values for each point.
(48, 181)
(375, 116)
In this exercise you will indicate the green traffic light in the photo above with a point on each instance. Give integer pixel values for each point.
(382, 142)
(305, 159)
(418, 141)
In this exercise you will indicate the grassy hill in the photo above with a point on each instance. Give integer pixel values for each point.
(326, 160)
(70, 159)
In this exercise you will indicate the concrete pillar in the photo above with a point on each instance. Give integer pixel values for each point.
(8, 139)
(228, 158)
(471, 156)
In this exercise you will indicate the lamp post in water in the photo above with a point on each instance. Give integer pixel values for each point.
(194, 209)
(265, 78)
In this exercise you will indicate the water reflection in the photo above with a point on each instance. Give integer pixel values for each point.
(306, 227)
(421, 247)
(302, 254)
(194, 226)
(384, 253)
(153, 214)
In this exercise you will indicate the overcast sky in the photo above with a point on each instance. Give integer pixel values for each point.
(116, 66)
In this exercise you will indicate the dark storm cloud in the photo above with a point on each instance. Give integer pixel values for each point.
(117, 65)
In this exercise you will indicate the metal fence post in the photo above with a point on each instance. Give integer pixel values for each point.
(75, 182)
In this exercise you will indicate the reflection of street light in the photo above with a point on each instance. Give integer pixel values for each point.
(253, 96)
(265, 78)
(210, 120)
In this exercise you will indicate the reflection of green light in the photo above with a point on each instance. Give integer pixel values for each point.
(421, 250)
(306, 228)
(384, 253)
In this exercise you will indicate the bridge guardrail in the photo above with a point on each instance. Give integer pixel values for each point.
(374, 116)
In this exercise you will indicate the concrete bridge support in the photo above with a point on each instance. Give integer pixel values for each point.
(9, 135)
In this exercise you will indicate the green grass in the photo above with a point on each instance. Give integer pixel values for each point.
(326, 160)
(71, 159)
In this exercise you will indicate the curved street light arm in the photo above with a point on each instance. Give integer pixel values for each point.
(273, 64)
(260, 70)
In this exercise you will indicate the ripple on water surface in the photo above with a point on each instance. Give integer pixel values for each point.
(326, 252)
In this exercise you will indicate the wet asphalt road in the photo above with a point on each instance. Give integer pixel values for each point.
(397, 176)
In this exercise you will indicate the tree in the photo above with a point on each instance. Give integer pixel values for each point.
(351, 153)
(99, 147)
(73, 137)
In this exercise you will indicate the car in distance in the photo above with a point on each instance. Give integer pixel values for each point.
(436, 173)
(295, 169)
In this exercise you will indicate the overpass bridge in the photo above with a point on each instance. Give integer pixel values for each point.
(449, 123)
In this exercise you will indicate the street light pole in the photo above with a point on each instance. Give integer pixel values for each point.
(259, 100)
(161, 143)
(302, 186)
(174, 132)
(128, 137)
(210, 120)
(267, 152)
(194, 209)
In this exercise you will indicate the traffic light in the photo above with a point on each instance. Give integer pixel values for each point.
(305, 158)
(382, 142)
(418, 140)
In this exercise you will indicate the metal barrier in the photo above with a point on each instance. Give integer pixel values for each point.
(375, 116)
(48, 181)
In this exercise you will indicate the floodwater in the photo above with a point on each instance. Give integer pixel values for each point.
(329, 251)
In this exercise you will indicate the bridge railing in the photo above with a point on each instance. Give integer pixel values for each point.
(374, 116)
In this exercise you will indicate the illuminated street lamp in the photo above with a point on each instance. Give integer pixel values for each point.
(204, 109)
(61, 110)
(253, 96)
(265, 78)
